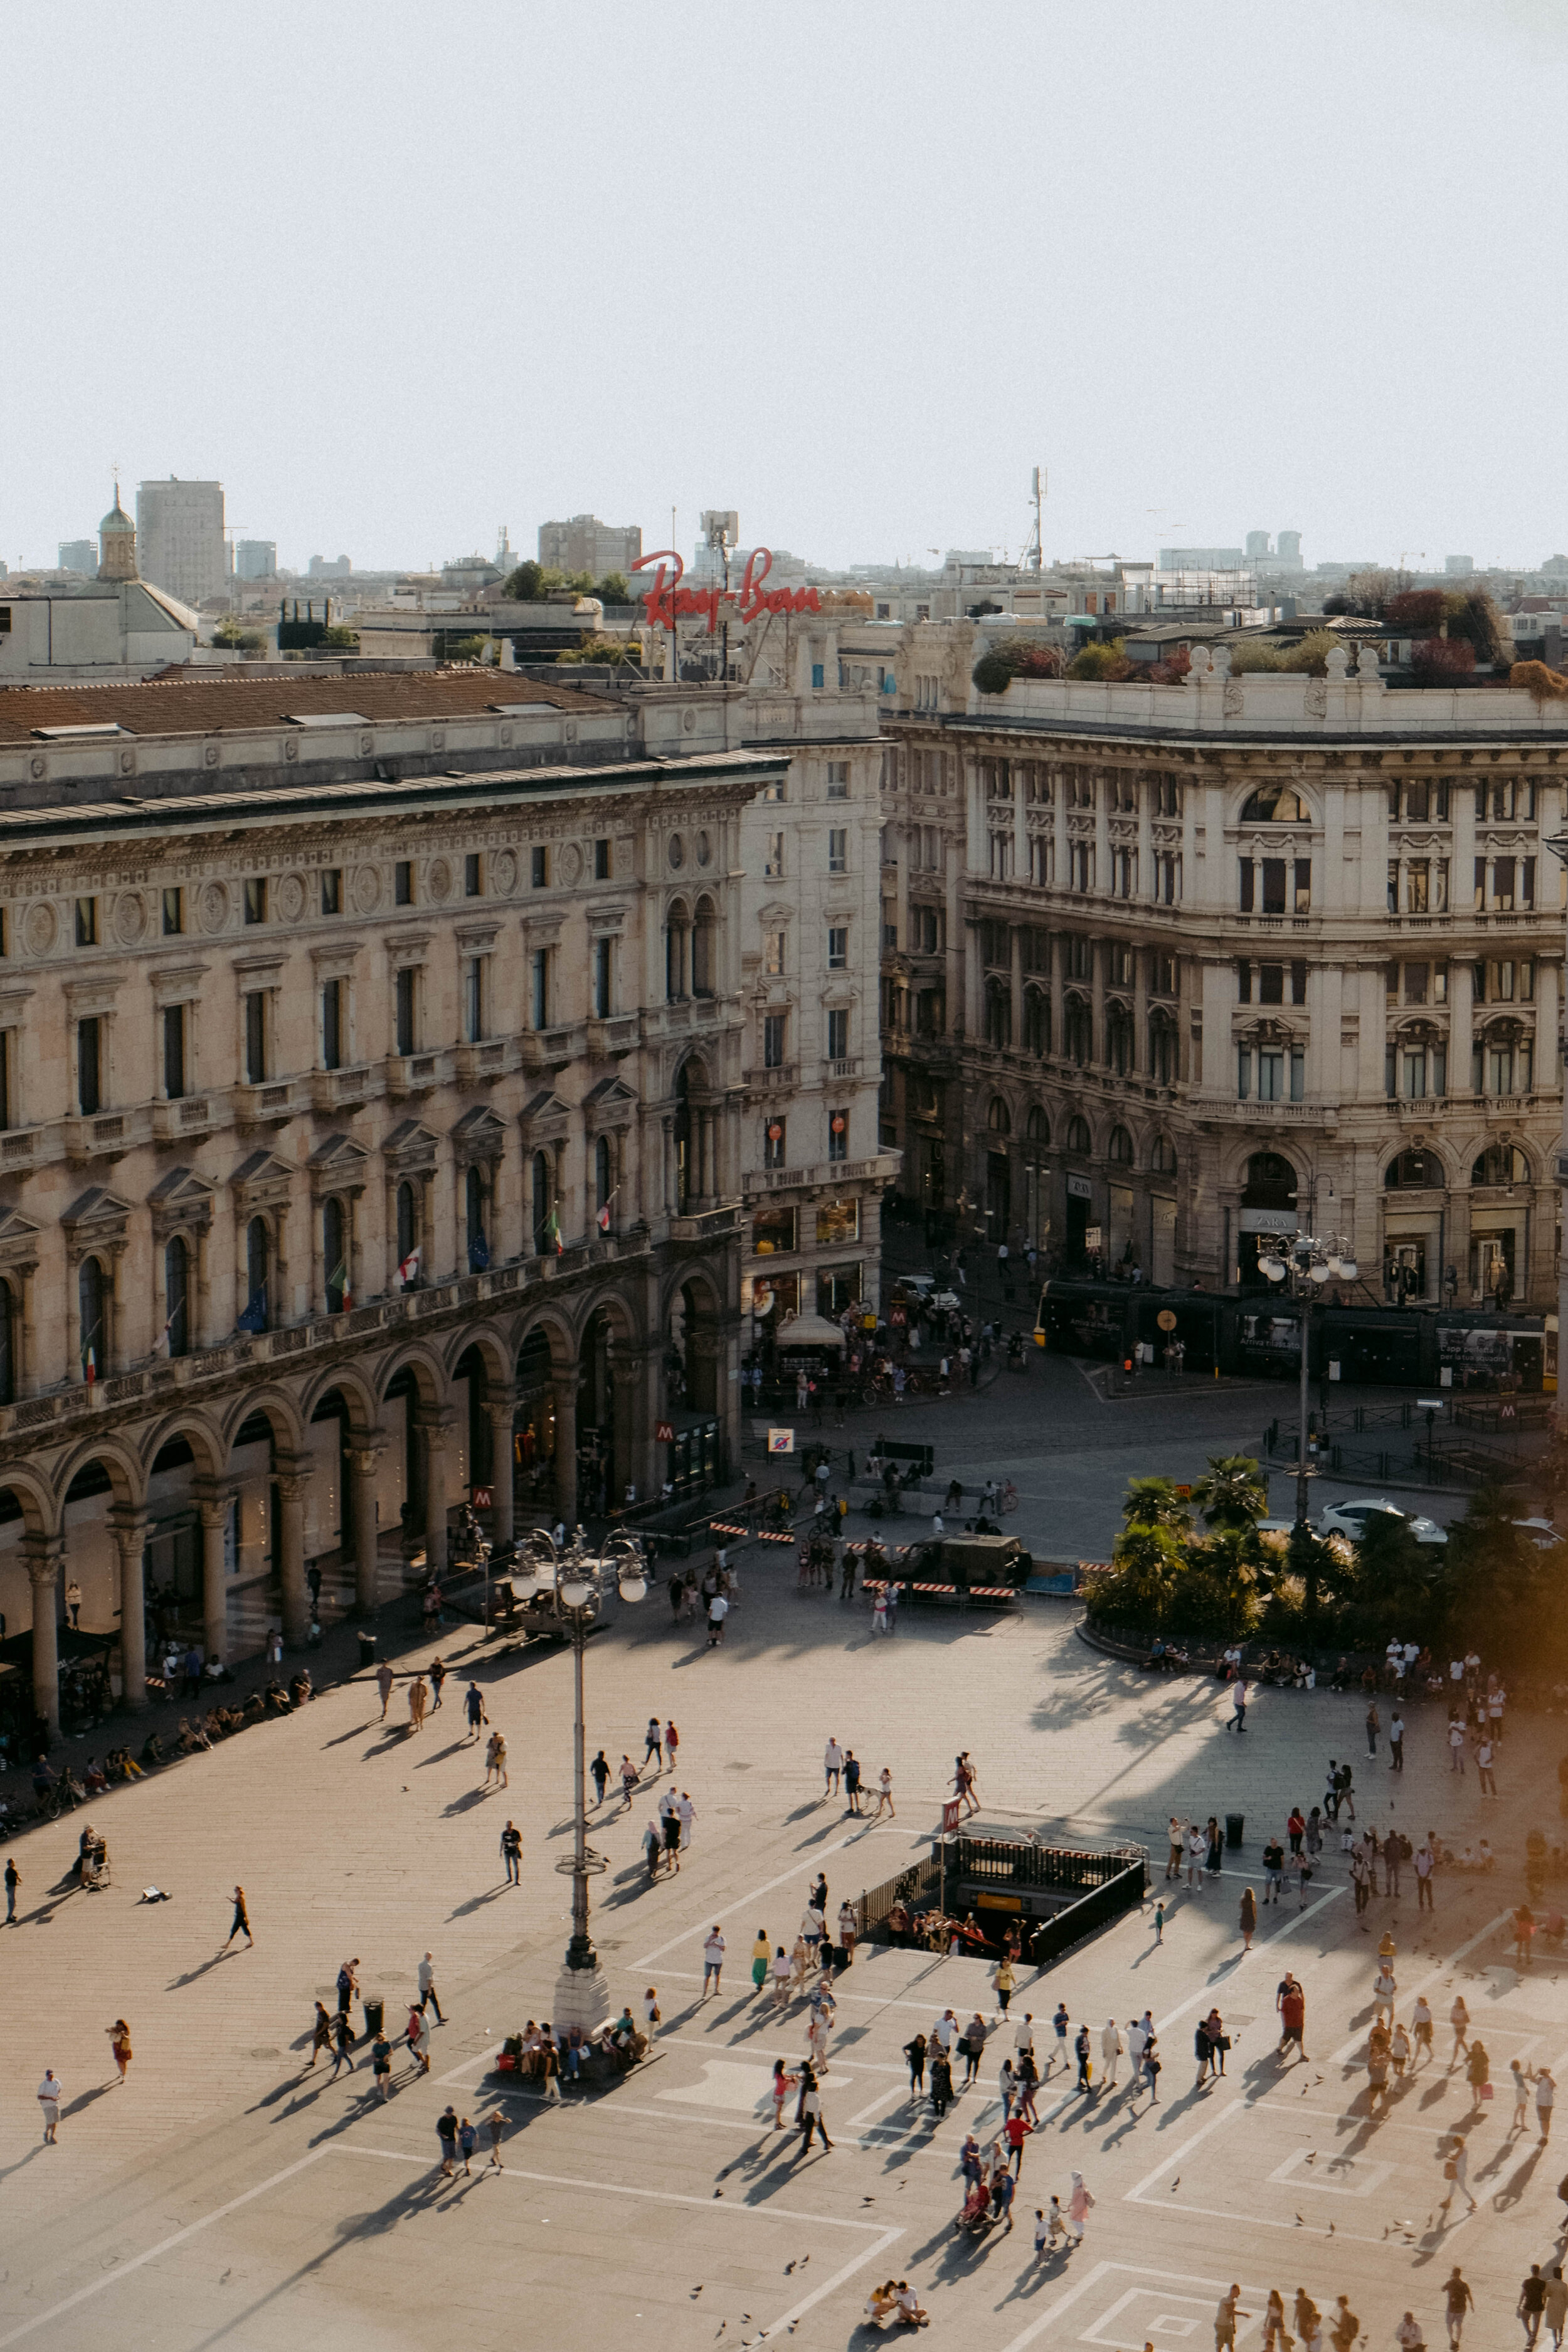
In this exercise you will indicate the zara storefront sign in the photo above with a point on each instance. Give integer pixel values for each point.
(669, 601)
(1268, 1221)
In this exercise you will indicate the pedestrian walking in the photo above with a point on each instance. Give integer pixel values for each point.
(511, 1854)
(832, 1766)
(380, 2066)
(686, 1812)
(1373, 1725)
(1396, 1742)
(51, 2092)
(1460, 2018)
(713, 1961)
(1456, 2173)
(629, 1777)
(1556, 2307)
(1112, 2047)
(446, 2138)
(322, 2035)
(1249, 1917)
(653, 1745)
(14, 1880)
(915, 2051)
(419, 2037)
(761, 1954)
(1291, 2002)
(342, 2042)
(495, 1762)
(119, 2044)
(1545, 2100)
(781, 2090)
(1080, 2206)
(474, 1710)
(418, 1695)
(600, 1770)
(811, 2116)
(671, 1744)
(1226, 2314)
(885, 1794)
(437, 1676)
(427, 1992)
(718, 1610)
(1237, 1705)
(1006, 1983)
(383, 1682)
(348, 1985)
(1485, 1758)
(1456, 2300)
(240, 1924)
(467, 2140)
(495, 2125)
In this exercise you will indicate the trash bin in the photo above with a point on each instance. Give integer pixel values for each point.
(375, 2011)
(366, 1648)
(1234, 1825)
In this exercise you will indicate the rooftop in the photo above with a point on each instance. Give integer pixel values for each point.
(210, 702)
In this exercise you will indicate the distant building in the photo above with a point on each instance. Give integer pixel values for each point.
(1201, 558)
(79, 555)
(119, 627)
(330, 567)
(1258, 546)
(256, 559)
(585, 544)
(1288, 555)
(1459, 566)
(179, 526)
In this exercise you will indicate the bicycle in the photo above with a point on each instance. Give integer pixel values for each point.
(1008, 1496)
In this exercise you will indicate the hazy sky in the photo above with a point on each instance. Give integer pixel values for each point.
(396, 272)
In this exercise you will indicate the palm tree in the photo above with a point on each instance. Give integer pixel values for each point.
(1231, 1494)
(1156, 1502)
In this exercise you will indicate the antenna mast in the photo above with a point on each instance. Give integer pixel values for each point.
(1034, 554)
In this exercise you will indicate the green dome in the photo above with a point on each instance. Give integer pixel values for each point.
(117, 518)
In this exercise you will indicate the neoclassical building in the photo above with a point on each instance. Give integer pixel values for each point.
(1168, 967)
(374, 1105)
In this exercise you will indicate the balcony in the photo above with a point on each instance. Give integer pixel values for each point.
(107, 1135)
(411, 1074)
(1419, 1110)
(1271, 1114)
(187, 1115)
(551, 1049)
(849, 1067)
(335, 1090)
(19, 1148)
(836, 1174)
(779, 1081)
(480, 1063)
(268, 1106)
(707, 1224)
(611, 1035)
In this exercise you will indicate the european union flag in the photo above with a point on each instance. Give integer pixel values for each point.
(479, 1254)
(255, 1316)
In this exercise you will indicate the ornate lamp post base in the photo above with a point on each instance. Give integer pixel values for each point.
(582, 1998)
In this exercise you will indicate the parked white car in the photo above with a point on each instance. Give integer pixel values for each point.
(1541, 1533)
(1351, 1520)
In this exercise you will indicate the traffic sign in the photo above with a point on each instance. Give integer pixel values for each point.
(664, 1433)
(781, 1441)
(1165, 1320)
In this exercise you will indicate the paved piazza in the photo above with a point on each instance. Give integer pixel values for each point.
(226, 2194)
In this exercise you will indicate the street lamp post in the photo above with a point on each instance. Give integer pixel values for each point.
(578, 1580)
(1302, 1267)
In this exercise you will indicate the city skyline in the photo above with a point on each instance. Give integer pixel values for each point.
(1202, 293)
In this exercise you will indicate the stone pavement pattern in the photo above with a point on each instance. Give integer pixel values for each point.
(225, 2197)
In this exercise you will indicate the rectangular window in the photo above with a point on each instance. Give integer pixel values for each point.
(87, 922)
(1270, 1073)
(540, 995)
(1244, 983)
(838, 850)
(539, 867)
(773, 1230)
(774, 1140)
(332, 1024)
(1527, 979)
(1417, 887)
(473, 876)
(773, 863)
(254, 1036)
(816, 674)
(774, 953)
(1417, 981)
(838, 780)
(603, 977)
(1480, 877)
(332, 891)
(775, 1030)
(1527, 882)
(1297, 1072)
(602, 860)
(1248, 877)
(1298, 983)
(473, 1000)
(89, 1067)
(1243, 1072)
(255, 898)
(402, 883)
(7, 1040)
(173, 914)
(1271, 983)
(837, 1036)
(839, 947)
(173, 1052)
(1439, 983)
(838, 1134)
(404, 1035)
(1274, 885)
(775, 791)
(890, 936)
(1502, 883)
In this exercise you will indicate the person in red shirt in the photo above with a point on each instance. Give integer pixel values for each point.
(1016, 2130)
(1292, 2017)
(1297, 1827)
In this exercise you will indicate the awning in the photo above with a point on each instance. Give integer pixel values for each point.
(809, 1331)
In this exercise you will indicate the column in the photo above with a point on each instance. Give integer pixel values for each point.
(362, 1458)
(1098, 1056)
(1461, 1025)
(43, 1556)
(435, 1428)
(129, 1531)
(290, 1477)
(633, 1422)
(1141, 1011)
(216, 1504)
(502, 1411)
(566, 1447)
(1548, 979)
(1015, 981)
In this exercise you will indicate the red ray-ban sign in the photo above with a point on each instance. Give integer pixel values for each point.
(669, 601)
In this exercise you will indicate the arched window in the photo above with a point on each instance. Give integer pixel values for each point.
(1119, 1039)
(408, 1233)
(177, 1298)
(1077, 1020)
(543, 1187)
(258, 1313)
(998, 1119)
(604, 1180)
(1501, 1163)
(1163, 1159)
(704, 951)
(677, 954)
(1077, 1134)
(998, 1014)
(1270, 1182)
(90, 1293)
(335, 1255)
(1276, 804)
(1037, 1127)
(1037, 1021)
(1162, 1049)
(478, 1248)
(7, 1344)
(1121, 1147)
(1413, 1172)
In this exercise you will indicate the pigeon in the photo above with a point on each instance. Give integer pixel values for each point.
(788, 2267)
(1175, 2184)
(695, 2293)
(1331, 2229)
(868, 2200)
(1311, 2155)
(718, 2192)
(1298, 2220)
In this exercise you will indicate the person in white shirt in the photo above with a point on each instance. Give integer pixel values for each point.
(832, 1766)
(687, 1812)
(1024, 2032)
(946, 2031)
(1136, 2037)
(51, 2092)
(1110, 2048)
(1197, 1854)
(713, 1961)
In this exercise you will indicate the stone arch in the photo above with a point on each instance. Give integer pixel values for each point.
(120, 1459)
(40, 1507)
(279, 1408)
(544, 1372)
(204, 1437)
(1275, 804)
(1416, 1167)
(488, 1342)
(357, 1390)
(423, 1367)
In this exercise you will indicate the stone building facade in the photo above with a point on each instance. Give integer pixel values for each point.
(1169, 967)
(355, 1145)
